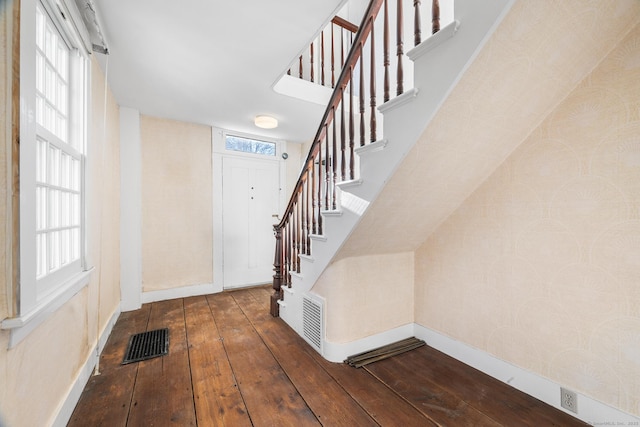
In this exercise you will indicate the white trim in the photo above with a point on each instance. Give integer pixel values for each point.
(26, 291)
(219, 153)
(308, 258)
(65, 410)
(434, 41)
(318, 237)
(182, 292)
(130, 210)
(298, 88)
(348, 184)
(372, 148)
(338, 352)
(23, 325)
(589, 409)
(399, 100)
(217, 236)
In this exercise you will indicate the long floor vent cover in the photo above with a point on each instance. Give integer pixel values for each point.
(361, 359)
(147, 345)
(312, 322)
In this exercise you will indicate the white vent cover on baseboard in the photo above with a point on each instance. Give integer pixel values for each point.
(312, 315)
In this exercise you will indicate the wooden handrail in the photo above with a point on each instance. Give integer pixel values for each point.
(326, 162)
(341, 22)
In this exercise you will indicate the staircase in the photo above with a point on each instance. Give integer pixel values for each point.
(347, 167)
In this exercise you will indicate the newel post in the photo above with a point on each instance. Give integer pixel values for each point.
(277, 268)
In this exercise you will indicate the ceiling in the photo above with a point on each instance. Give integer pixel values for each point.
(212, 62)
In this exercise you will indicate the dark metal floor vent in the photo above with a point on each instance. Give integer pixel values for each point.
(147, 345)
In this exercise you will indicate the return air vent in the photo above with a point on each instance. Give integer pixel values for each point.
(312, 322)
(147, 345)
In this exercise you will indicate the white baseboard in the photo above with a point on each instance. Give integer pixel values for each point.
(338, 352)
(590, 410)
(182, 292)
(68, 405)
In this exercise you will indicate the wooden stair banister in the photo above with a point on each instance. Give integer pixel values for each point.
(311, 61)
(328, 158)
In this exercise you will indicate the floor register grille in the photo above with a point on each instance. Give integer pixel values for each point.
(147, 345)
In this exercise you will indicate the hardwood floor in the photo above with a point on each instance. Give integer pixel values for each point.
(231, 364)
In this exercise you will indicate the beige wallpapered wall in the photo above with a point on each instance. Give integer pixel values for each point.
(177, 206)
(36, 375)
(103, 193)
(354, 314)
(541, 265)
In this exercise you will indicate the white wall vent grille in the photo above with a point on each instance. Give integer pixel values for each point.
(312, 322)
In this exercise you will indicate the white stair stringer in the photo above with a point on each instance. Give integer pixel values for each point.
(439, 63)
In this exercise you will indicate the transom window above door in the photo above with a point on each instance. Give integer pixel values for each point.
(248, 145)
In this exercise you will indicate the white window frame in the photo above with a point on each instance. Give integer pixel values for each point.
(39, 298)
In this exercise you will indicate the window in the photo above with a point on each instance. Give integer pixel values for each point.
(53, 91)
(246, 145)
(58, 156)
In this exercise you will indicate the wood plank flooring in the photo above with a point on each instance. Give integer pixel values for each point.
(231, 364)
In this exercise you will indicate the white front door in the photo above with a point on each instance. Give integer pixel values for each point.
(250, 204)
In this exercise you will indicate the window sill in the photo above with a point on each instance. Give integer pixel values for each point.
(24, 324)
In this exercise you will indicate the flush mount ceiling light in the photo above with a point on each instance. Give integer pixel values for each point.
(266, 122)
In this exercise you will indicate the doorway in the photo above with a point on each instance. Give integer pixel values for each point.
(250, 207)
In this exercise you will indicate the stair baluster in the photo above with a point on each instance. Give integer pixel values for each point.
(417, 30)
(311, 61)
(351, 128)
(399, 49)
(386, 51)
(372, 87)
(316, 189)
(435, 16)
(362, 121)
(343, 160)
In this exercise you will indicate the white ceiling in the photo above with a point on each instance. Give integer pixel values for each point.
(212, 61)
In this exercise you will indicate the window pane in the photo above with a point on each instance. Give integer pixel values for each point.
(40, 25)
(40, 72)
(50, 43)
(75, 209)
(50, 83)
(75, 171)
(65, 171)
(54, 250)
(75, 244)
(61, 127)
(236, 143)
(49, 117)
(54, 166)
(58, 188)
(62, 63)
(41, 208)
(41, 248)
(41, 161)
(65, 246)
(52, 79)
(61, 95)
(54, 208)
(65, 211)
